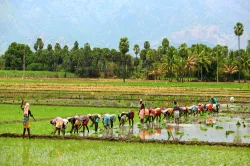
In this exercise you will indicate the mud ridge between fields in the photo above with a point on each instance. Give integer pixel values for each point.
(117, 139)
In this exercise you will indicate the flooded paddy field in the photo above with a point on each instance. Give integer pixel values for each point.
(222, 129)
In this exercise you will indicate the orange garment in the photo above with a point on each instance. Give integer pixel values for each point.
(27, 125)
(170, 110)
(146, 112)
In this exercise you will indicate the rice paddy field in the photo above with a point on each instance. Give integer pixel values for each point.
(64, 97)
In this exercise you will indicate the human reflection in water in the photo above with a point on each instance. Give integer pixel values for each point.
(177, 136)
(108, 133)
(26, 153)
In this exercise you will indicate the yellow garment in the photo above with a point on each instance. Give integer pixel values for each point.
(78, 122)
(27, 125)
(59, 124)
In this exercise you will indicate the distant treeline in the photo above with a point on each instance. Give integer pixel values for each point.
(198, 62)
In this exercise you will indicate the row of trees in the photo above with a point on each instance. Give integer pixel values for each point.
(198, 62)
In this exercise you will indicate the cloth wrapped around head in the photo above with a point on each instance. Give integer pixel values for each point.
(26, 109)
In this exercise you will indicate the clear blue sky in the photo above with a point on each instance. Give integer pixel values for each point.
(102, 23)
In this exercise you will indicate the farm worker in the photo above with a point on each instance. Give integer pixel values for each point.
(232, 99)
(85, 120)
(193, 109)
(213, 100)
(140, 105)
(65, 125)
(77, 124)
(72, 120)
(147, 115)
(122, 120)
(200, 107)
(142, 112)
(58, 123)
(112, 120)
(120, 115)
(176, 111)
(167, 113)
(95, 118)
(106, 121)
(26, 114)
(130, 115)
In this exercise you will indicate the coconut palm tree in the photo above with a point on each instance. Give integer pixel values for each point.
(182, 52)
(190, 65)
(245, 62)
(203, 60)
(230, 69)
(238, 30)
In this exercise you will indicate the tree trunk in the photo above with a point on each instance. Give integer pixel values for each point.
(201, 72)
(123, 71)
(239, 59)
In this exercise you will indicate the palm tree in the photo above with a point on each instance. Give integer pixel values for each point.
(146, 45)
(230, 70)
(203, 60)
(190, 64)
(238, 30)
(124, 48)
(183, 54)
(245, 62)
(136, 50)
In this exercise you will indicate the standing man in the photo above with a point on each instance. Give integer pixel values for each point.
(176, 111)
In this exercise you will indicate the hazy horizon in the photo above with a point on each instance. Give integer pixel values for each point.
(102, 23)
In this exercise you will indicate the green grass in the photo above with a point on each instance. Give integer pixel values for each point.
(14, 112)
(19, 151)
(34, 74)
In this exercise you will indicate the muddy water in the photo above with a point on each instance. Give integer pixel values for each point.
(192, 131)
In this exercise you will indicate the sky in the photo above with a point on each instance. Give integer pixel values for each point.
(102, 23)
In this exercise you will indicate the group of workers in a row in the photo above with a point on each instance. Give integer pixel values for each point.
(145, 115)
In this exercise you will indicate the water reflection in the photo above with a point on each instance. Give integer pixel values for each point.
(193, 129)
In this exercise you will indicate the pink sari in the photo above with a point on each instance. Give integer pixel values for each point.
(141, 114)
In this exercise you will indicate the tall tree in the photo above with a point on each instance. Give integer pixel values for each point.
(124, 48)
(15, 56)
(39, 44)
(238, 30)
(248, 47)
(136, 51)
(245, 62)
(57, 54)
(183, 54)
(165, 45)
(146, 45)
(203, 60)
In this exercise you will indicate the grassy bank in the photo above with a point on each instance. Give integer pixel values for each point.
(19, 151)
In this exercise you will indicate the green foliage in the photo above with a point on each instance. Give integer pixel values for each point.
(238, 123)
(228, 132)
(218, 127)
(203, 128)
